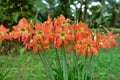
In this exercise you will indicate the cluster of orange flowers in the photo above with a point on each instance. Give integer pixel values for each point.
(59, 31)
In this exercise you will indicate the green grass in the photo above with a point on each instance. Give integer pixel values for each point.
(29, 67)
(22, 67)
(107, 66)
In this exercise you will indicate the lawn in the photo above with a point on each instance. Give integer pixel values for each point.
(27, 66)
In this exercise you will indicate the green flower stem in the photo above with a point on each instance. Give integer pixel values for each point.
(49, 67)
(78, 66)
(65, 70)
(43, 61)
(46, 64)
(58, 59)
(75, 63)
(89, 66)
(71, 57)
(84, 68)
(72, 64)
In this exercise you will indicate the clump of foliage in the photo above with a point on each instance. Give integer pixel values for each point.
(71, 42)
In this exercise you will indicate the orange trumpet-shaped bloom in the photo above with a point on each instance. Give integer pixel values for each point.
(89, 46)
(21, 30)
(41, 32)
(60, 31)
(62, 37)
(40, 39)
(3, 33)
(82, 29)
(78, 42)
(107, 41)
(62, 21)
(111, 39)
(49, 29)
(102, 41)
(38, 45)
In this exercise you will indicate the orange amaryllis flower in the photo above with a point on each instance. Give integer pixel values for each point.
(111, 39)
(41, 32)
(49, 29)
(62, 21)
(63, 36)
(38, 45)
(77, 48)
(89, 46)
(21, 30)
(82, 29)
(3, 33)
(62, 31)
(81, 34)
(26, 41)
(40, 39)
(78, 42)
(107, 41)
(102, 41)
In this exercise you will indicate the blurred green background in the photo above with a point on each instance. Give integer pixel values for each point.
(93, 12)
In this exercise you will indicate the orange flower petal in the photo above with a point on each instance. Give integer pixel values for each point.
(59, 42)
(35, 49)
(23, 22)
(94, 50)
(70, 37)
(38, 26)
(65, 42)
